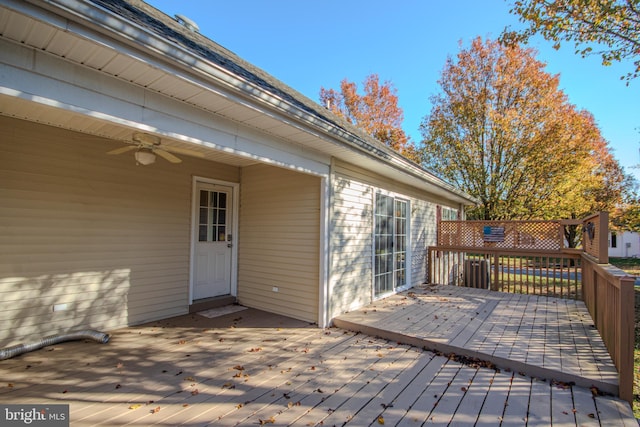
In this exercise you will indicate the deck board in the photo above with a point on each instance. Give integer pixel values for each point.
(182, 371)
(474, 399)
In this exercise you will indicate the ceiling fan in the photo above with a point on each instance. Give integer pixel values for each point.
(148, 146)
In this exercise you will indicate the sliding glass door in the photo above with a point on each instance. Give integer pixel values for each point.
(390, 243)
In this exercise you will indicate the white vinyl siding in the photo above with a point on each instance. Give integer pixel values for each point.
(95, 232)
(351, 256)
(351, 243)
(423, 235)
(279, 246)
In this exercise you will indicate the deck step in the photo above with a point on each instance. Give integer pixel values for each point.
(209, 303)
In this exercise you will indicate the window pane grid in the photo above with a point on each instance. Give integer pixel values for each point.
(212, 216)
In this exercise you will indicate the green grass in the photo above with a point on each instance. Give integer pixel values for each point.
(629, 265)
(632, 267)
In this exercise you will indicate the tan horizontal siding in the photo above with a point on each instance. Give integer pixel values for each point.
(107, 237)
(279, 242)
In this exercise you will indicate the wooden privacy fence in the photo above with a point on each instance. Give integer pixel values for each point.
(512, 235)
(533, 257)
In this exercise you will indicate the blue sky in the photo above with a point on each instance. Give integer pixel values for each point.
(310, 44)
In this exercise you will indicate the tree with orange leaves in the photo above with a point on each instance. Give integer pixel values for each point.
(376, 112)
(502, 130)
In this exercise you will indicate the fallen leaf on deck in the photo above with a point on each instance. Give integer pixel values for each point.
(182, 342)
(267, 421)
(239, 368)
(10, 385)
(185, 405)
(135, 406)
(255, 350)
(118, 386)
(591, 415)
(119, 365)
(239, 405)
(155, 410)
(380, 420)
(228, 385)
(194, 392)
(189, 379)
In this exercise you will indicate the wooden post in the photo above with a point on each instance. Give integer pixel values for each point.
(626, 310)
(603, 238)
(496, 272)
(430, 265)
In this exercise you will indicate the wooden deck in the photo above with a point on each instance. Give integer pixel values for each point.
(548, 338)
(253, 368)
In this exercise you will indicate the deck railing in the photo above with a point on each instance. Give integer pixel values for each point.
(553, 275)
(533, 257)
(608, 293)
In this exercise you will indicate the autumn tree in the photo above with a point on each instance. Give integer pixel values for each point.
(612, 27)
(626, 216)
(376, 111)
(502, 131)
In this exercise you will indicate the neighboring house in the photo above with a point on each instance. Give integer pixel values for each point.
(276, 201)
(625, 244)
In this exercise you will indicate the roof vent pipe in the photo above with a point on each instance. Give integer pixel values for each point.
(187, 23)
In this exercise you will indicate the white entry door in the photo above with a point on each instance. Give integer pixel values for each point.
(212, 240)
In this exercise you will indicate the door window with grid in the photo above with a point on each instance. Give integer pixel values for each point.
(212, 226)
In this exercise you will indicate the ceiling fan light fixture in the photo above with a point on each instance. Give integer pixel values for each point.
(145, 156)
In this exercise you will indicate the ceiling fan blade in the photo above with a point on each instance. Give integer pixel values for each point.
(185, 151)
(122, 149)
(145, 138)
(166, 155)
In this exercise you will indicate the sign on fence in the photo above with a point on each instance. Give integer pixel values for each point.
(493, 234)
